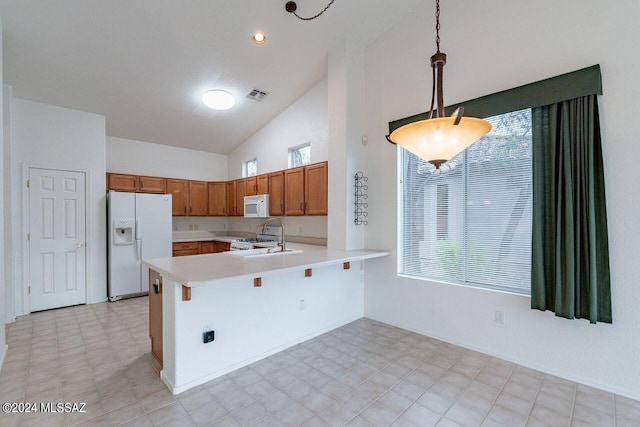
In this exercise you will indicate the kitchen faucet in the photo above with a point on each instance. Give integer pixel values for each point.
(264, 227)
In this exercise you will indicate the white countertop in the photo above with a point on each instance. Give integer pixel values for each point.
(197, 270)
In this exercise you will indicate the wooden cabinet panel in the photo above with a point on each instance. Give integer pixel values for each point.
(207, 247)
(223, 246)
(251, 184)
(263, 184)
(217, 198)
(276, 193)
(152, 184)
(179, 190)
(231, 198)
(241, 191)
(185, 246)
(198, 198)
(155, 314)
(315, 189)
(186, 252)
(294, 191)
(121, 182)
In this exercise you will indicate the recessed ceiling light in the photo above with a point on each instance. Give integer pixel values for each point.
(259, 38)
(218, 99)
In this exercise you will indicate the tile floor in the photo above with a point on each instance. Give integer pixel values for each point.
(363, 374)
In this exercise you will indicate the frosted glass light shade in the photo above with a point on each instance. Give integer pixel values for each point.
(218, 99)
(438, 140)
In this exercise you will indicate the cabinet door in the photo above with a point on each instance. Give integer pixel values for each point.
(251, 184)
(198, 198)
(263, 184)
(179, 191)
(223, 246)
(217, 198)
(276, 193)
(294, 191)
(231, 198)
(315, 189)
(155, 314)
(120, 182)
(152, 184)
(241, 191)
(207, 247)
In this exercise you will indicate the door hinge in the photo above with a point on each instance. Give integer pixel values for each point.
(28, 236)
(28, 183)
(29, 290)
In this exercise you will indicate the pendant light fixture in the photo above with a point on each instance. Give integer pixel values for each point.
(437, 140)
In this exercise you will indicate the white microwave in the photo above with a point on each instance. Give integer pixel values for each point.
(256, 206)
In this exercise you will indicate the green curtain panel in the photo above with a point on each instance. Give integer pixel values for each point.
(570, 251)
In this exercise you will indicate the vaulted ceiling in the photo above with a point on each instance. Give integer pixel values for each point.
(144, 64)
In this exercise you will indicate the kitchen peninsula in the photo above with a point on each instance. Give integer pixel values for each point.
(257, 306)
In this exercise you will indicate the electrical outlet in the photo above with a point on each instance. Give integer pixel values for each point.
(191, 227)
(300, 230)
(195, 226)
(301, 305)
(208, 336)
(499, 317)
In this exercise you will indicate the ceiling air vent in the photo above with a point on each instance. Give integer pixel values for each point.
(256, 95)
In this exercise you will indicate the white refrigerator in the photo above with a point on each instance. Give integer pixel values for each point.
(139, 228)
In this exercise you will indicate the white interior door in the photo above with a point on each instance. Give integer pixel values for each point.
(57, 236)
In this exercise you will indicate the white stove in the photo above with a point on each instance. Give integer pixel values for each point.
(271, 234)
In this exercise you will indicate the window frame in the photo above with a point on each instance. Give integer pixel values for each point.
(245, 167)
(295, 148)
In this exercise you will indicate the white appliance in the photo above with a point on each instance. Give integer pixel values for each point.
(256, 206)
(139, 228)
(271, 233)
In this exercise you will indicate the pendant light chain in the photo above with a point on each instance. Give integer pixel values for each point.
(291, 8)
(438, 25)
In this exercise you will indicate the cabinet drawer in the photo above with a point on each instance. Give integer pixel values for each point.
(186, 252)
(223, 246)
(186, 246)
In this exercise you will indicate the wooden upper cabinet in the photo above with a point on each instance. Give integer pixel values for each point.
(315, 189)
(276, 193)
(217, 198)
(198, 198)
(121, 182)
(241, 191)
(178, 188)
(231, 198)
(263, 184)
(294, 191)
(152, 184)
(251, 184)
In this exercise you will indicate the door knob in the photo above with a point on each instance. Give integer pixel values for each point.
(79, 245)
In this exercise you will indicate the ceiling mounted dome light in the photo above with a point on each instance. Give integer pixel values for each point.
(259, 38)
(218, 99)
(437, 140)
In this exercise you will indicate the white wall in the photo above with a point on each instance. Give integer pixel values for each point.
(144, 158)
(491, 46)
(59, 138)
(303, 121)
(10, 233)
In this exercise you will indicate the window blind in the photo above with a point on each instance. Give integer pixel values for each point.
(470, 221)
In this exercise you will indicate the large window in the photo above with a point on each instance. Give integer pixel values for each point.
(470, 221)
(300, 155)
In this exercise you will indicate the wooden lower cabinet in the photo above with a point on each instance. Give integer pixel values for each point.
(199, 248)
(155, 314)
(207, 247)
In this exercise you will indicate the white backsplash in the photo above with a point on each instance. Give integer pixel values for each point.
(200, 223)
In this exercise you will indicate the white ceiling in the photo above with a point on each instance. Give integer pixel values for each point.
(144, 64)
